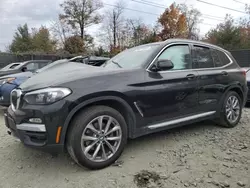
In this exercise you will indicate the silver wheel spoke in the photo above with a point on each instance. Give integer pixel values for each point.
(108, 125)
(113, 138)
(89, 138)
(110, 146)
(103, 152)
(92, 128)
(89, 147)
(96, 151)
(100, 119)
(115, 128)
(229, 114)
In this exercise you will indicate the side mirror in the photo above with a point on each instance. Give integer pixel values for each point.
(24, 69)
(162, 65)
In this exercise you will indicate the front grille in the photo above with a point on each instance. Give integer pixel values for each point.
(15, 97)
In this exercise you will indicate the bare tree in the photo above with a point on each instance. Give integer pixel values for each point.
(114, 22)
(60, 30)
(80, 14)
(193, 19)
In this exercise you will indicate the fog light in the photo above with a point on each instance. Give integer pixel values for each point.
(35, 120)
(1, 98)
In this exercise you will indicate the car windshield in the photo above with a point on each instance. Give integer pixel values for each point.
(132, 58)
(10, 66)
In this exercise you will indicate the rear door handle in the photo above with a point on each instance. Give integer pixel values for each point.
(224, 73)
(190, 76)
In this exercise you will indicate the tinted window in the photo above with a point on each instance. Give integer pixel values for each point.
(217, 61)
(32, 66)
(223, 58)
(179, 55)
(43, 64)
(202, 57)
(220, 58)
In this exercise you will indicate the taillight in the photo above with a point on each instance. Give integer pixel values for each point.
(244, 73)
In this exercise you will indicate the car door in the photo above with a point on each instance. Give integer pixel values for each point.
(173, 93)
(212, 79)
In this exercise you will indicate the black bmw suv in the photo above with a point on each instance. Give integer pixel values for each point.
(92, 111)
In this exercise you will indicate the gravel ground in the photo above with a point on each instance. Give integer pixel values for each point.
(197, 155)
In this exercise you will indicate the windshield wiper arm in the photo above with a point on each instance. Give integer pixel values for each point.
(116, 63)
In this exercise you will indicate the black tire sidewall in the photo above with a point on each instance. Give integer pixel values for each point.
(78, 129)
(228, 123)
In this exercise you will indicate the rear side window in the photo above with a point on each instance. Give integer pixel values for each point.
(220, 58)
(223, 58)
(202, 57)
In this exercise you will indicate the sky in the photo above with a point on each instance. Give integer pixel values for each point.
(43, 12)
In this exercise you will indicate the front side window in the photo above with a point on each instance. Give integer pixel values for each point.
(179, 55)
(202, 57)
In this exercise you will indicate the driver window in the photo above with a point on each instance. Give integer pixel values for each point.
(179, 55)
(32, 66)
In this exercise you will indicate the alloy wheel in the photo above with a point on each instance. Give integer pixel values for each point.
(232, 109)
(101, 138)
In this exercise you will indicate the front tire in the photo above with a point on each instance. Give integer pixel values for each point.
(231, 110)
(97, 137)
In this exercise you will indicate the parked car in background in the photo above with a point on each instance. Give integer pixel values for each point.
(92, 111)
(12, 81)
(10, 66)
(30, 66)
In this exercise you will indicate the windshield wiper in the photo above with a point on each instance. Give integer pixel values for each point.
(116, 63)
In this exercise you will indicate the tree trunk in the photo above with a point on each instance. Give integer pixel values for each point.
(114, 29)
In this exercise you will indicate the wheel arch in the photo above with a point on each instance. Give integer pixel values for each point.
(115, 102)
(235, 87)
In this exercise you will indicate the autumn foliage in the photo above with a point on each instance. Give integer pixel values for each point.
(173, 22)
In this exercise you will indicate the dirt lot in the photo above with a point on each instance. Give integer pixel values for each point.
(198, 155)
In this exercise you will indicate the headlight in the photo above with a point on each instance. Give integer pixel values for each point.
(6, 80)
(46, 96)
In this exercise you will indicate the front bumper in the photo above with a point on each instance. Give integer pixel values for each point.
(38, 135)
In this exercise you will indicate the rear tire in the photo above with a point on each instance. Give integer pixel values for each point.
(231, 110)
(97, 137)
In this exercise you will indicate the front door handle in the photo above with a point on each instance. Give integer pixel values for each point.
(224, 73)
(190, 76)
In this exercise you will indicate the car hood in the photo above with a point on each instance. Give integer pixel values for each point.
(63, 74)
(18, 75)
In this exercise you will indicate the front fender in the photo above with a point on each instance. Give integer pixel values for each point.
(131, 125)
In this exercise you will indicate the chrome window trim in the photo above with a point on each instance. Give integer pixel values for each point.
(172, 122)
(201, 45)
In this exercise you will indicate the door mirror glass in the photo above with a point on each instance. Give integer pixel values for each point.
(164, 64)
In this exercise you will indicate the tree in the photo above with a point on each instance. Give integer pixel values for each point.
(80, 14)
(60, 31)
(226, 34)
(140, 33)
(173, 23)
(22, 40)
(193, 19)
(74, 45)
(41, 41)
